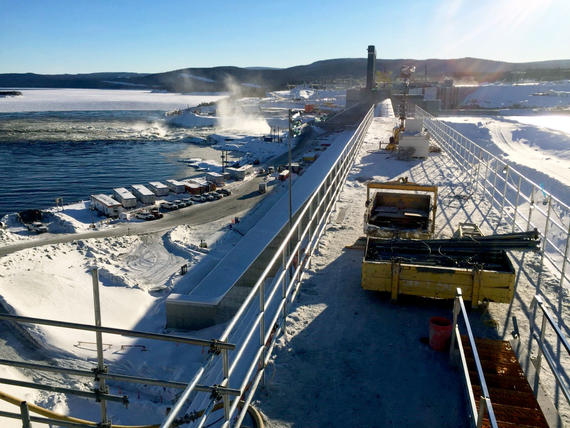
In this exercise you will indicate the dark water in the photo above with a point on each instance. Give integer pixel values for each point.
(75, 154)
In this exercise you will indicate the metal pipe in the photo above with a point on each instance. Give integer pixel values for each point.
(111, 376)
(552, 323)
(96, 395)
(117, 331)
(517, 204)
(538, 361)
(455, 313)
(565, 259)
(545, 234)
(47, 421)
(554, 369)
(186, 394)
(25, 412)
(99, 340)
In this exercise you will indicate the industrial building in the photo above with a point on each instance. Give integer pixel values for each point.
(143, 194)
(158, 188)
(126, 198)
(106, 205)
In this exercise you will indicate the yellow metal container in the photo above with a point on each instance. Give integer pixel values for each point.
(477, 284)
(401, 209)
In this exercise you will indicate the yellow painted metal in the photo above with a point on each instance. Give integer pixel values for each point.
(399, 278)
(404, 186)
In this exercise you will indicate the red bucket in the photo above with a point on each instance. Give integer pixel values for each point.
(439, 333)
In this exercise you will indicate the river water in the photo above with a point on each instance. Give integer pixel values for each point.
(63, 151)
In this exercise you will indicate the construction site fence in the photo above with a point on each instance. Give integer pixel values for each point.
(522, 204)
(261, 319)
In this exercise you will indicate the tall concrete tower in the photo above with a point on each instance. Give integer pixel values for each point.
(371, 67)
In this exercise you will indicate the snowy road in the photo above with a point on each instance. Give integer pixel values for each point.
(243, 198)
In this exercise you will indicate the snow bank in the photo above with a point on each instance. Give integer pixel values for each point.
(540, 154)
(546, 94)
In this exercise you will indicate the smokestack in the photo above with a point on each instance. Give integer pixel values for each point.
(371, 67)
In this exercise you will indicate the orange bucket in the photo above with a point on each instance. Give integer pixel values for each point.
(439, 333)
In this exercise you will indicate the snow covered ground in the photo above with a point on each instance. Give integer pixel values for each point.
(536, 150)
(552, 95)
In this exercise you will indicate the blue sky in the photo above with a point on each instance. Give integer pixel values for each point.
(82, 36)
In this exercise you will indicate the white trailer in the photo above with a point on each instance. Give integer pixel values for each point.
(175, 186)
(143, 194)
(158, 188)
(216, 178)
(126, 198)
(240, 173)
(106, 205)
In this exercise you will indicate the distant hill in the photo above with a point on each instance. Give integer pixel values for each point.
(258, 79)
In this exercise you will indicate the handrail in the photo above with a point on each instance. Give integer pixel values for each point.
(484, 401)
(542, 350)
(306, 230)
(506, 187)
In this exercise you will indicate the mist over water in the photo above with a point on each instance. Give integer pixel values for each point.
(87, 126)
(45, 155)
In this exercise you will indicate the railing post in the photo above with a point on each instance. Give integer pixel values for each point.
(226, 374)
(25, 412)
(485, 181)
(562, 274)
(284, 288)
(262, 325)
(481, 412)
(299, 250)
(494, 182)
(506, 169)
(530, 207)
(538, 361)
(517, 204)
(546, 232)
(102, 388)
(456, 308)
(479, 158)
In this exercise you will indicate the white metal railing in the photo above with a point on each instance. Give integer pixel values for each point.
(542, 348)
(485, 406)
(261, 318)
(523, 203)
(100, 374)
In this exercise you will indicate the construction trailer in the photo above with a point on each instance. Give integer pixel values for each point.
(422, 268)
(158, 188)
(126, 198)
(193, 188)
(216, 178)
(143, 194)
(240, 173)
(400, 209)
(175, 186)
(106, 205)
